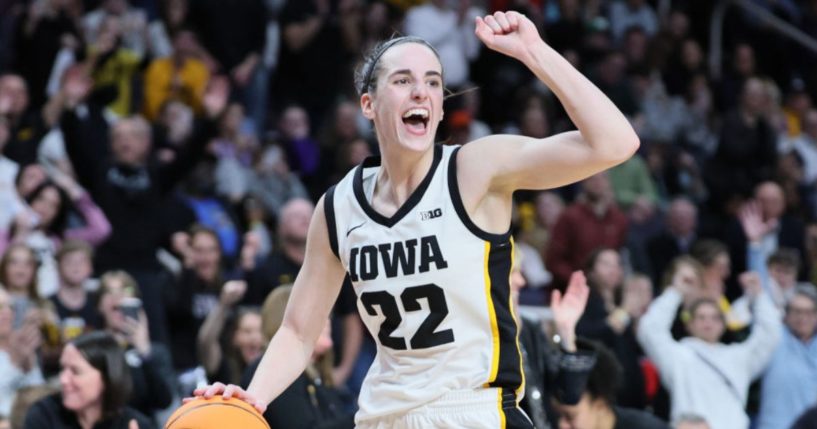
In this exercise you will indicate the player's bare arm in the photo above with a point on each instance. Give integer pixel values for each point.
(314, 293)
(495, 166)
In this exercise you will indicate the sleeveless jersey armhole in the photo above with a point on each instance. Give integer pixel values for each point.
(459, 207)
(329, 212)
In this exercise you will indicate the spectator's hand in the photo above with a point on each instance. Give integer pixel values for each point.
(180, 243)
(228, 391)
(76, 86)
(509, 33)
(242, 73)
(687, 285)
(249, 251)
(138, 334)
(568, 309)
(67, 184)
(751, 284)
(24, 342)
(232, 292)
(752, 222)
(216, 97)
(132, 424)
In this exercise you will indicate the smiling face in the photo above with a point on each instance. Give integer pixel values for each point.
(407, 105)
(706, 322)
(20, 267)
(47, 204)
(248, 338)
(801, 316)
(81, 383)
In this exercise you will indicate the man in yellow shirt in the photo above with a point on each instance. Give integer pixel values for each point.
(180, 76)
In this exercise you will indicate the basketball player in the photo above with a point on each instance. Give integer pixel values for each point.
(423, 232)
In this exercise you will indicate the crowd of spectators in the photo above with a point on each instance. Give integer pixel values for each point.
(159, 162)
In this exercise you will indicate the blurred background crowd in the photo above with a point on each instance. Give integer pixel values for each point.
(161, 160)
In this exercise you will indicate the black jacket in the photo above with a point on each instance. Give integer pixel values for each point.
(550, 372)
(306, 404)
(48, 413)
(135, 199)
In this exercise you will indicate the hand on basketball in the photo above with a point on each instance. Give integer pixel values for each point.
(509, 33)
(228, 391)
(568, 308)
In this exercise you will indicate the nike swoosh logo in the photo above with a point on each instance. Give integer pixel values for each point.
(349, 231)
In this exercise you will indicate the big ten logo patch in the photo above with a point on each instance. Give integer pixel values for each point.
(431, 214)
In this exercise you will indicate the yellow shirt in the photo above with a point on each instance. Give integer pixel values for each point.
(118, 71)
(164, 81)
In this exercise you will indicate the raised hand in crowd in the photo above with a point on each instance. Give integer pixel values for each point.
(67, 183)
(75, 88)
(751, 284)
(637, 295)
(137, 334)
(754, 226)
(180, 243)
(568, 308)
(232, 292)
(25, 341)
(250, 250)
(216, 97)
(684, 281)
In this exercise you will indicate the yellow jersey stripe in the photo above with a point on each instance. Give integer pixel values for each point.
(494, 325)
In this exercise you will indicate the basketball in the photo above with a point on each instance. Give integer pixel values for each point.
(216, 413)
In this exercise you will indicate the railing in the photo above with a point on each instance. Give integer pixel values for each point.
(763, 15)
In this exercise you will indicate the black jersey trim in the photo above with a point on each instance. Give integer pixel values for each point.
(329, 212)
(459, 207)
(411, 202)
(509, 374)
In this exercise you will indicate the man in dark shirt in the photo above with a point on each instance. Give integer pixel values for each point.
(285, 261)
(597, 409)
(133, 188)
(27, 125)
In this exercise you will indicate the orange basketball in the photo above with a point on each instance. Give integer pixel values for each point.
(216, 413)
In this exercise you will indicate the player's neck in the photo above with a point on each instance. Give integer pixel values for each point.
(401, 173)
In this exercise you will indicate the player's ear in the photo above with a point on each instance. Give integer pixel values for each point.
(366, 106)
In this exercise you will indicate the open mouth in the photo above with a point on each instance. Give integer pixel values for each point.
(416, 120)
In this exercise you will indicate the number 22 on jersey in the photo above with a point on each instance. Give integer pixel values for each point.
(425, 336)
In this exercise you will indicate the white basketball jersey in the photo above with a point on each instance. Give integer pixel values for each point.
(433, 290)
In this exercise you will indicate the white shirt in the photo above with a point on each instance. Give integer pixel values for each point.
(688, 367)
